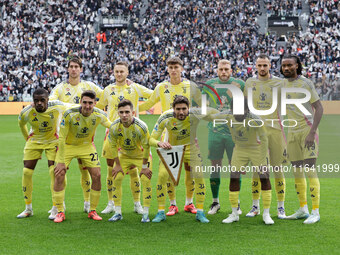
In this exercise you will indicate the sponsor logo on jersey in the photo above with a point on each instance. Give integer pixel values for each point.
(68, 94)
(127, 142)
(35, 119)
(263, 96)
(174, 128)
(44, 124)
(76, 100)
(166, 91)
(183, 132)
(76, 124)
(84, 130)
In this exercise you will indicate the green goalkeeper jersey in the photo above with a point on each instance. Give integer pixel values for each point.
(226, 98)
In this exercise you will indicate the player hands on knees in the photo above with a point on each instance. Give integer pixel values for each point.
(43, 115)
(77, 129)
(131, 135)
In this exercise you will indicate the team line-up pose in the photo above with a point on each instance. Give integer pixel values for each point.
(127, 143)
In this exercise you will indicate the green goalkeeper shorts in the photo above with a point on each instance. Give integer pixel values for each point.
(218, 144)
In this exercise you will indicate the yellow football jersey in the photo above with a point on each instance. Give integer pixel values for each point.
(165, 92)
(76, 129)
(180, 131)
(263, 97)
(248, 133)
(293, 112)
(45, 125)
(68, 93)
(113, 94)
(131, 140)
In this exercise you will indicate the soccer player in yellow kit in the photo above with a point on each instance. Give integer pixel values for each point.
(44, 117)
(251, 146)
(165, 92)
(131, 135)
(179, 124)
(262, 95)
(303, 139)
(111, 96)
(77, 131)
(70, 92)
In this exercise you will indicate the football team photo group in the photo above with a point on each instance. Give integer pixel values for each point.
(169, 127)
(63, 125)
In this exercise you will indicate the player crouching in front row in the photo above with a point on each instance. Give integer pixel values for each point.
(131, 135)
(77, 130)
(179, 122)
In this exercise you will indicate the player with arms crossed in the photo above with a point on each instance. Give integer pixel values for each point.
(179, 124)
(77, 131)
(303, 139)
(262, 95)
(112, 95)
(132, 136)
(70, 92)
(44, 117)
(165, 92)
(251, 146)
(219, 137)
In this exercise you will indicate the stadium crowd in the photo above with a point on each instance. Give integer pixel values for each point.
(35, 48)
(283, 8)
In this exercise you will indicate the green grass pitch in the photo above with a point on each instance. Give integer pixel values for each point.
(179, 234)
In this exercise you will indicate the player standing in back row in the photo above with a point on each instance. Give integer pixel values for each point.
(166, 92)
(219, 137)
(262, 94)
(303, 139)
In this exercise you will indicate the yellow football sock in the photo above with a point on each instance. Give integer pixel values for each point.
(200, 193)
(233, 198)
(280, 188)
(59, 199)
(314, 187)
(163, 176)
(266, 198)
(109, 182)
(300, 187)
(27, 185)
(256, 187)
(85, 181)
(171, 190)
(94, 199)
(117, 189)
(189, 185)
(135, 184)
(51, 172)
(147, 190)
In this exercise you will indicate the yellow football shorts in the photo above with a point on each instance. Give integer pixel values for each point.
(296, 146)
(34, 151)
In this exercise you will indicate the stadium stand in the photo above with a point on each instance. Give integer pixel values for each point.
(34, 48)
